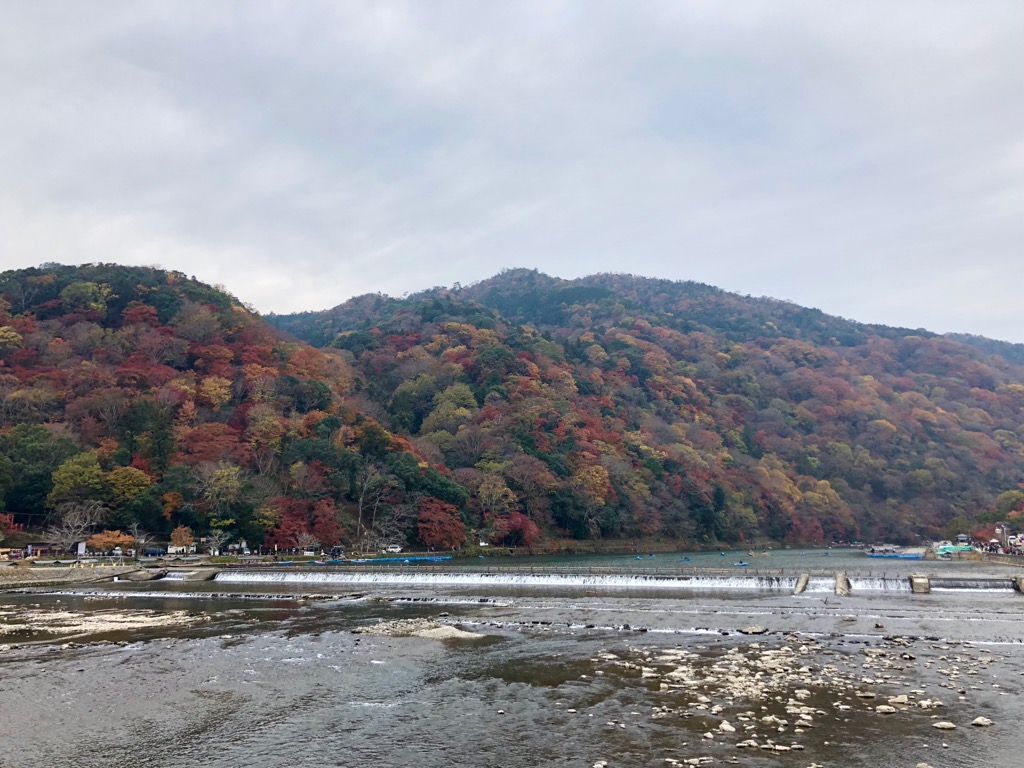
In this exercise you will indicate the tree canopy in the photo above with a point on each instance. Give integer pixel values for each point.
(518, 409)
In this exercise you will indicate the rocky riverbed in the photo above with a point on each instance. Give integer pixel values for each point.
(802, 693)
(39, 624)
(428, 628)
(614, 680)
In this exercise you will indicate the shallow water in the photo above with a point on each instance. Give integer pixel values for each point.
(279, 680)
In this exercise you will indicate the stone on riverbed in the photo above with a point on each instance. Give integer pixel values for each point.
(756, 629)
(982, 722)
(427, 628)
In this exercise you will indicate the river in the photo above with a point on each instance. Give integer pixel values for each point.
(564, 671)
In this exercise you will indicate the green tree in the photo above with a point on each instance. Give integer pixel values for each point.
(34, 455)
(1008, 501)
(79, 478)
(87, 296)
(411, 401)
(9, 339)
(126, 484)
(220, 485)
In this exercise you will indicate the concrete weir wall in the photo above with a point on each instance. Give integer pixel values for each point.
(842, 584)
(920, 585)
(193, 574)
(801, 583)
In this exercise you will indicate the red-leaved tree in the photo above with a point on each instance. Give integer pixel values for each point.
(326, 523)
(8, 526)
(439, 524)
(516, 530)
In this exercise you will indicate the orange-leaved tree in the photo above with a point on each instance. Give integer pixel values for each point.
(182, 536)
(106, 541)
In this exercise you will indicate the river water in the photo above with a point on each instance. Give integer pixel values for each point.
(568, 670)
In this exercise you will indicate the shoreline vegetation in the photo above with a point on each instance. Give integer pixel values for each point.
(524, 412)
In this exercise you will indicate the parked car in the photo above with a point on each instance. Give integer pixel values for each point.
(392, 549)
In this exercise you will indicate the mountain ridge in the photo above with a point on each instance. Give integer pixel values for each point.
(800, 343)
(517, 410)
(477, 291)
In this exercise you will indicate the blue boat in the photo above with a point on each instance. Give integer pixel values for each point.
(896, 553)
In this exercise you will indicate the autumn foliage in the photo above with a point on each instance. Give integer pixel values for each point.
(516, 409)
(106, 541)
(439, 524)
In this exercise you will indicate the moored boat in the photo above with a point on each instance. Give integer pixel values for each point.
(948, 549)
(896, 553)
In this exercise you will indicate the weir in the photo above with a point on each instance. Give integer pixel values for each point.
(1005, 585)
(878, 584)
(193, 574)
(838, 583)
(466, 578)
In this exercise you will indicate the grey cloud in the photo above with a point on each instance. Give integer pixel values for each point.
(867, 159)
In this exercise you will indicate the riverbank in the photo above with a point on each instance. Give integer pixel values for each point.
(17, 576)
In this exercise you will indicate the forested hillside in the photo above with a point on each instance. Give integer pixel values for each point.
(516, 410)
(615, 406)
(138, 399)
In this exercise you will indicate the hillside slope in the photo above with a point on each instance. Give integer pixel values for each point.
(517, 409)
(615, 406)
(142, 399)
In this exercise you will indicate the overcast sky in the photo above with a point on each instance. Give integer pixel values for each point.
(863, 158)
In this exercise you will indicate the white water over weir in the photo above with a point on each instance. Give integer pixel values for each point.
(712, 579)
(879, 584)
(549, 579)
(973, 585)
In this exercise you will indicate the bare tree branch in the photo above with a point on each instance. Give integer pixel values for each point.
(392, 526)
(77, 519)
(215, 540)
(141, 538)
